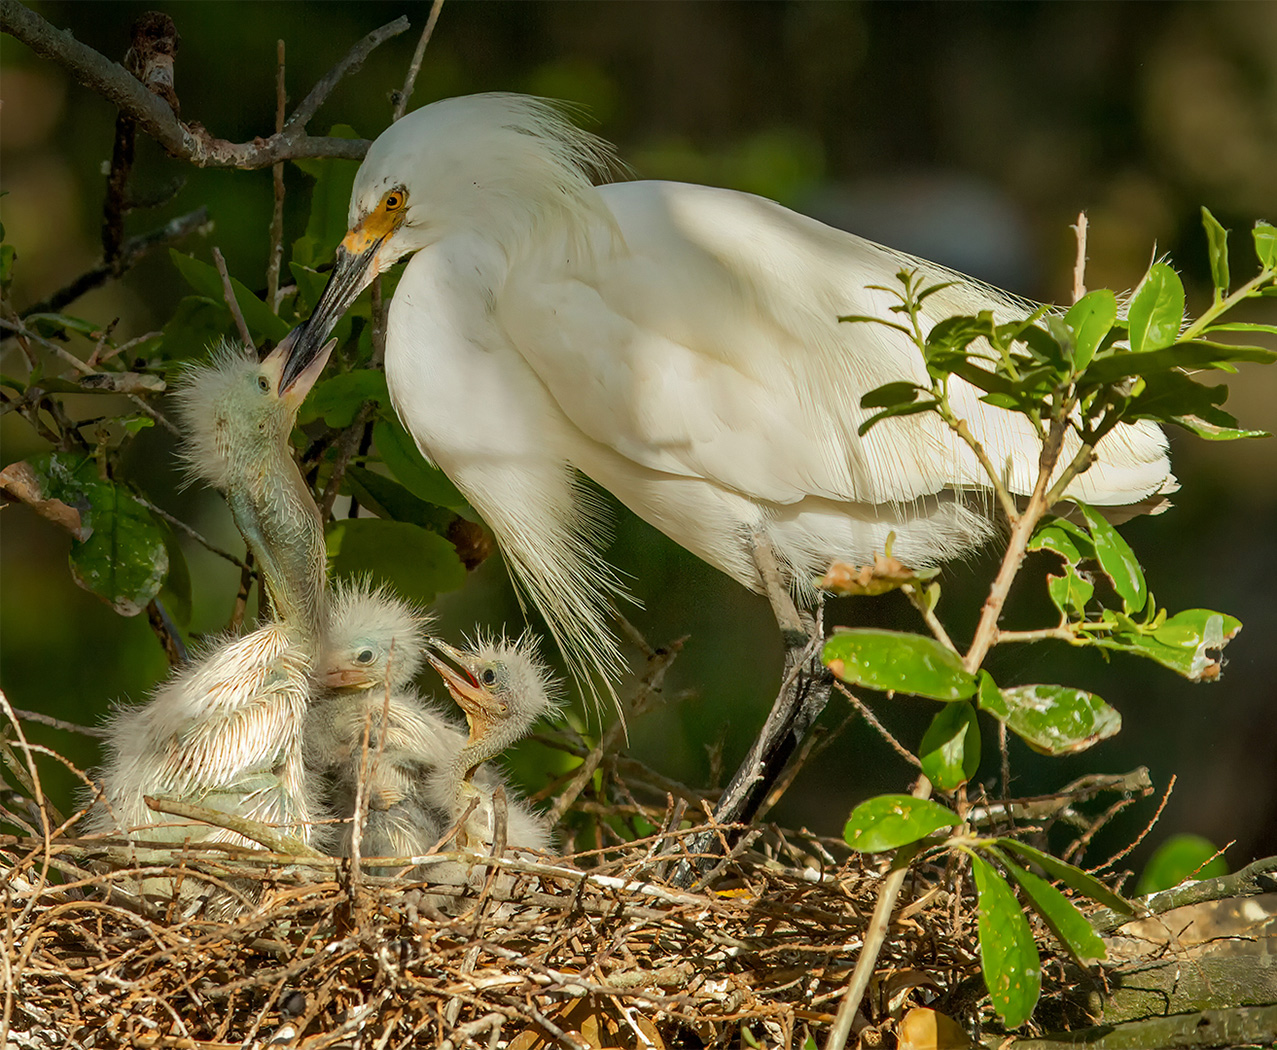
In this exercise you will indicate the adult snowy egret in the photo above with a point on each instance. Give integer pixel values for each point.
(678, 344)
(225, 732)
(503, 687)
(375, 647)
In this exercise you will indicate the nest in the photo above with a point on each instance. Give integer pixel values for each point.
(592, 949)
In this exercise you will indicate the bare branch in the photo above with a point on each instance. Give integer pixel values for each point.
(277, 176)
(1079, 266)
(192, 142)
(405, 93)
(228, 293)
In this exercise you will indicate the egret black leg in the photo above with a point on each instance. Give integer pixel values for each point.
(804, 691)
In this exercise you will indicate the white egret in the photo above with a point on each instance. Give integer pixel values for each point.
(678, 344)
(225, 732)
(375, 648)
(503, 687)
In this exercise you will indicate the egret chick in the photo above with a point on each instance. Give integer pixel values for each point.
(503, 687)
(225, 731)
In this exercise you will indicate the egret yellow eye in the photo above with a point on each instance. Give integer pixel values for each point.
(393, 200)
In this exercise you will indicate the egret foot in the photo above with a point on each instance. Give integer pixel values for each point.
(804, 691)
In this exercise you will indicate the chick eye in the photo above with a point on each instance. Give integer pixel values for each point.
(263, 384)
(365, 657)
(489, 676)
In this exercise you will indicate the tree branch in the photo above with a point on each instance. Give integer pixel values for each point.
(192, 142)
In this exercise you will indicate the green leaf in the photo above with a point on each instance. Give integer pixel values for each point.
(1059, 913)
(419, 564)
(1242, 326)
(1217, 245)
(176, 592)
(1184, 643)
(338, 399)
(1074, 878)
(1265, 236)
(1197, 353)
(889, 395)
(1008, 956)
(1157, 310)
(897, 410)
(1090, 319)
(205, 279)
(1070, 593)
(400, 453)
(1179, 858)
(52, 325)
(1052, 719)
(386, 498)
(1064, 538)
(894, 660)
(310, 286)
(1118, 561)
(950, 751)
(197, 324)
(891, 821)
(329, 204)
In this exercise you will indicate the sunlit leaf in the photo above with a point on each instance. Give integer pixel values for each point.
(1070, 593)
(895, 660)
(1117, 560)
(1157, 310)
(1265, 236)
(1008, 956)
(1090, 319)
(1074, 878)
(1064, 538)
(891, 821)
(419, 564)
(1052, 719)
(950, 750)
(1179, 858)
(1217, 246)
(1196, 354)
(1059, 913)
(1188, 643)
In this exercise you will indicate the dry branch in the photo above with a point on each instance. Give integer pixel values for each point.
(193, 142)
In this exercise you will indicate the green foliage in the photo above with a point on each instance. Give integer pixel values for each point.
(1179, 858)
(418, 563)
(1077, 374)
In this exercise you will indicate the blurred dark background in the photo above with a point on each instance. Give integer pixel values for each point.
(968, 133)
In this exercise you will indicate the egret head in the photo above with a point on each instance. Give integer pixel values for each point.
(237, 412)
(492, 164)
(503, 686)
(374, 639)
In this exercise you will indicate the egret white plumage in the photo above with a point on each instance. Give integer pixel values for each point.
(679, 345)
(503, 686)
(225, 732)
(376, 644)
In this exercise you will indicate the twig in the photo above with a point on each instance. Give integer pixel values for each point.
(883, 731)
(264, 834)
(192, 142)
(1166, 797)
(228, 293)
(130, 254)
(1079, 267)
(345, 450)
(875, 934)
(241, 595)
(57, 723)
(405, 93)
(277, 174)
(166, 632)
(177, 523)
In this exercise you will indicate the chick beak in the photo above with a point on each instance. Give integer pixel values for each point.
(347, 678)
(472, 698)
(275, 364)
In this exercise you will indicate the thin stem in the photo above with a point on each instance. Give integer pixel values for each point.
(918, 600)
(277, 175)
(405, 93)
(228, 293)
(1061, 634)
(1224, 305)
(1079, 265)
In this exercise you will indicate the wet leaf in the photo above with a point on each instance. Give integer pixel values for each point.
(1052, 719)
(1179, 858)
(950, 751)
(895, 660)
(1059, 913)
(1064, 538)
(1008, 956)
(1157, 310)
(891, 821)
(1118, 561)
(419, 563)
